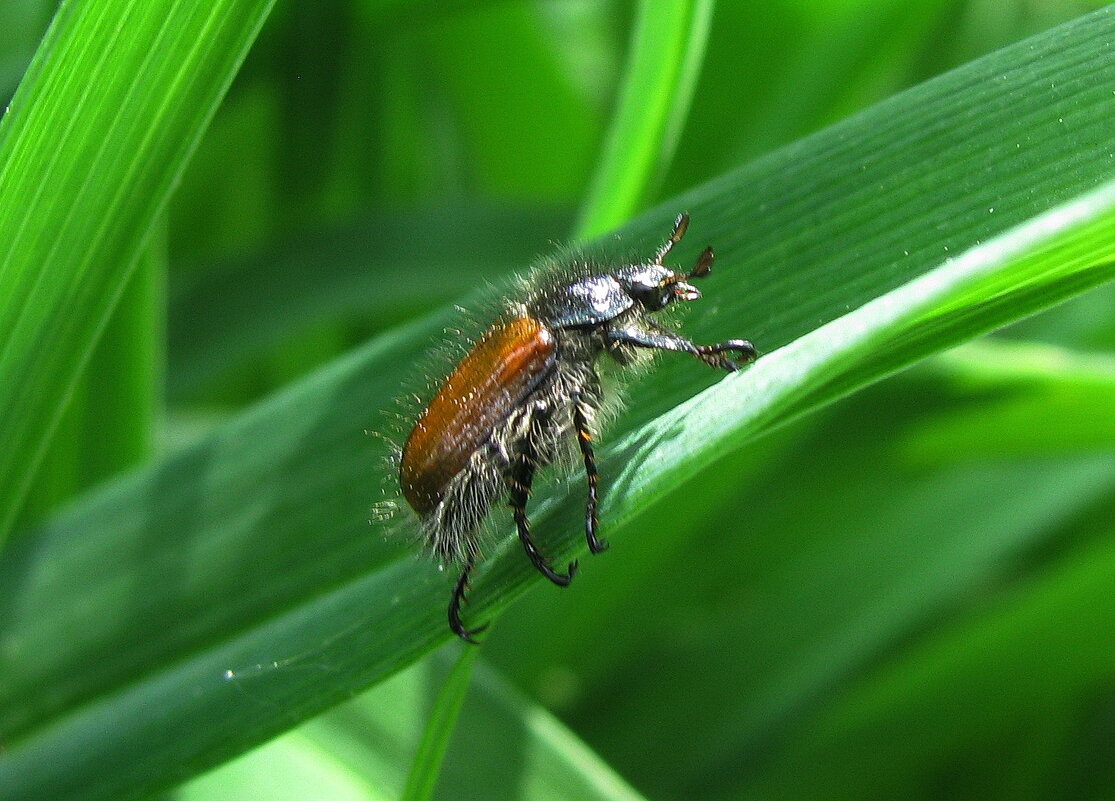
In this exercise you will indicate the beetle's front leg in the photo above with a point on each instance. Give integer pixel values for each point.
(713, 354)
(657, 338)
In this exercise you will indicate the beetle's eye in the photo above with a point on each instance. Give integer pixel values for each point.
(654, 297)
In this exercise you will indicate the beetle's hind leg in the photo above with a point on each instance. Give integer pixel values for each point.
(458, 599)
(584, 439)
(521, 478)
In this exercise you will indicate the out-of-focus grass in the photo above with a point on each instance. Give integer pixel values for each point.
(864, 601)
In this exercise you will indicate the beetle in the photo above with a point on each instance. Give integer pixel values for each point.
(528, 388)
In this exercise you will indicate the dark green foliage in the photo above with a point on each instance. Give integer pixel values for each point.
(903, 592)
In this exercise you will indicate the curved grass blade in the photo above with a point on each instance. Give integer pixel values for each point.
(90, 148)
(667, 48)
(198, 607)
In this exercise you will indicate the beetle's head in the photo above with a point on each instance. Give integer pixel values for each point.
(655, 286)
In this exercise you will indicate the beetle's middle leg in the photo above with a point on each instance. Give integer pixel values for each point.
(522, 476)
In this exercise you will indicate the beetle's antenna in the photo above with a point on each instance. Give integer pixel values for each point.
(681, 224)
(704, 264)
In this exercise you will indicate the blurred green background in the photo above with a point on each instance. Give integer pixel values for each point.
(906, 594)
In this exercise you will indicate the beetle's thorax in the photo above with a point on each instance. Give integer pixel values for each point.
(587, 301)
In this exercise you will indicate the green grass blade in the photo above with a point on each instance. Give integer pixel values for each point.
(198, 607)
(90, 147)
(426, 766)
(242, 308)
(109, 424)
(1052, 257)
(1021, 664)
(503, 98)
(509, 742)
(667, 47)
(1045, 401)
(794, 579)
